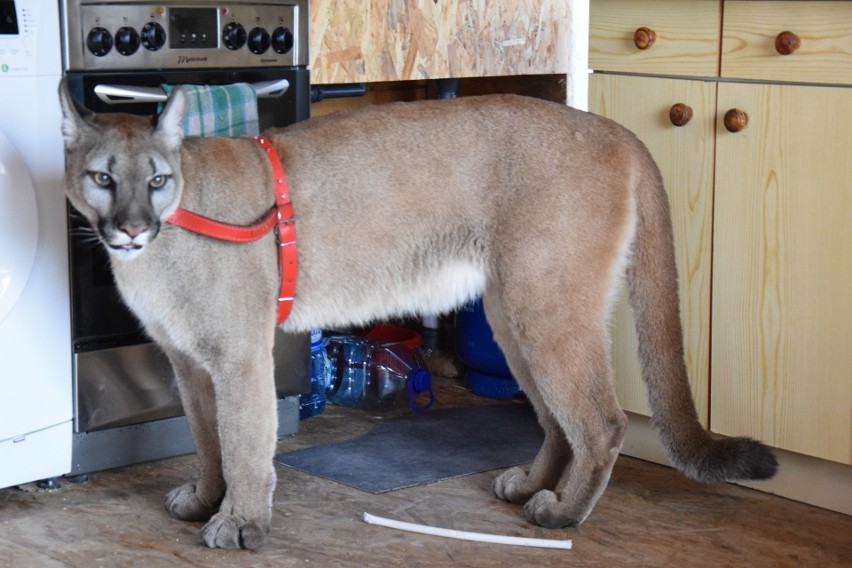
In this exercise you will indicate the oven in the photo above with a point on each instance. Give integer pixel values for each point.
(117, 55)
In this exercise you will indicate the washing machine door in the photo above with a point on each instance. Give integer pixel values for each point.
(18, 225)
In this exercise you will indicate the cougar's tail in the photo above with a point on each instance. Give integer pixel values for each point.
(652, 281)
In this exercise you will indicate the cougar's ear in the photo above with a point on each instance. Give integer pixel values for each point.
(170, 121)
(73, 116)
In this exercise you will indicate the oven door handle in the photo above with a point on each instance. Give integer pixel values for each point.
(125, 94)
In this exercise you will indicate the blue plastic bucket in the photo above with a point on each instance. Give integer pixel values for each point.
(488, 373)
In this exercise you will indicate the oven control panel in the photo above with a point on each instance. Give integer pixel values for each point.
(125, 35)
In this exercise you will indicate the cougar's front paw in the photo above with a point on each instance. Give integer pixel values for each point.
(231, 531)
(184, 503)
(545, 510)
(514, 486)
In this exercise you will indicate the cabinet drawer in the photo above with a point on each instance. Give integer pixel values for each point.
(821, 48)
(686, 36)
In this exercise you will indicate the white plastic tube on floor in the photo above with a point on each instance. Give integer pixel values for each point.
(464, 535)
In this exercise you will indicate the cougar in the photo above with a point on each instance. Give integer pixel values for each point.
(401, 209)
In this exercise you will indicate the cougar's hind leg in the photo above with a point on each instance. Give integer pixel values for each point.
(517, 485)
(198, 501)
(582, 398)
(560, 333)
(569, 363)
(245, 398)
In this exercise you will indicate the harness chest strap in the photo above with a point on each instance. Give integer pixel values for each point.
(288, 258)
(280, 217)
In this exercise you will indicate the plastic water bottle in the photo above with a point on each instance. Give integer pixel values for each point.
(313, 402)
(374, 375)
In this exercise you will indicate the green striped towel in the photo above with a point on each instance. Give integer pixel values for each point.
(219, 110)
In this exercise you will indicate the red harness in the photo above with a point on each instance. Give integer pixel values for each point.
(280, 216)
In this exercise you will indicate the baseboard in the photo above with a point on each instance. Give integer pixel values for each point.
(802, 478)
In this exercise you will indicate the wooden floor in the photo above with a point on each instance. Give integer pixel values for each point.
(649, 516)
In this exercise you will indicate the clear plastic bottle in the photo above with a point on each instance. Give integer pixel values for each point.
(313, 402)
(374, 375)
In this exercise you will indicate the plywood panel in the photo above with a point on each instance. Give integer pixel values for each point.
(782, 298)
(391, 40)
(685, 157)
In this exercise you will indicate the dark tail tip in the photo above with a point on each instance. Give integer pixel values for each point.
(731, 459)
(751, 459)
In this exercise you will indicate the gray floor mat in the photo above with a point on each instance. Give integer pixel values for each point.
(418, 449)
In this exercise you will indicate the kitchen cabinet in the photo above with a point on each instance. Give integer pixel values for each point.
(776, 320)
(782, 299)
(818, 48)
(392, 40)
(683, 40)
(676, 38)
(686, 158)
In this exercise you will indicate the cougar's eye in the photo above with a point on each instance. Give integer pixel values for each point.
(102, 179)
(158, 181)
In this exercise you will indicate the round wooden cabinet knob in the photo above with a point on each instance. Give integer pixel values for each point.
(644, 37)
(735, 120)
(680, 114)
(787, 42)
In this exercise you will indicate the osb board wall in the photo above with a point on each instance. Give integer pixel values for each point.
(355, 41)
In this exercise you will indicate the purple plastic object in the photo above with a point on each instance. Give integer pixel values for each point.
(419, 380)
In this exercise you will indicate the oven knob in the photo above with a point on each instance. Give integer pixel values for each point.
(127, 40)
(258, 41)
(234, 35)
(282, 40)
(153, 36)
(99, 41)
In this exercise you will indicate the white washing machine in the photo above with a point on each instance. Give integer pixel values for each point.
(36, 407)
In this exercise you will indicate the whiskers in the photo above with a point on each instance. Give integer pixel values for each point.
(83, 234)
(168, 228)
(86, 237)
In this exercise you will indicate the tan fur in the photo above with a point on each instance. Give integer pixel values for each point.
(403, 209)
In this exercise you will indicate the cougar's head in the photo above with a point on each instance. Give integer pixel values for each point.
(122, 172)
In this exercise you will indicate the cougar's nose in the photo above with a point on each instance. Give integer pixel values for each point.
(133, 229)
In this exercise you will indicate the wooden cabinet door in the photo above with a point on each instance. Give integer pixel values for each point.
(393, 40)
(685, 157)
(782, 269)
